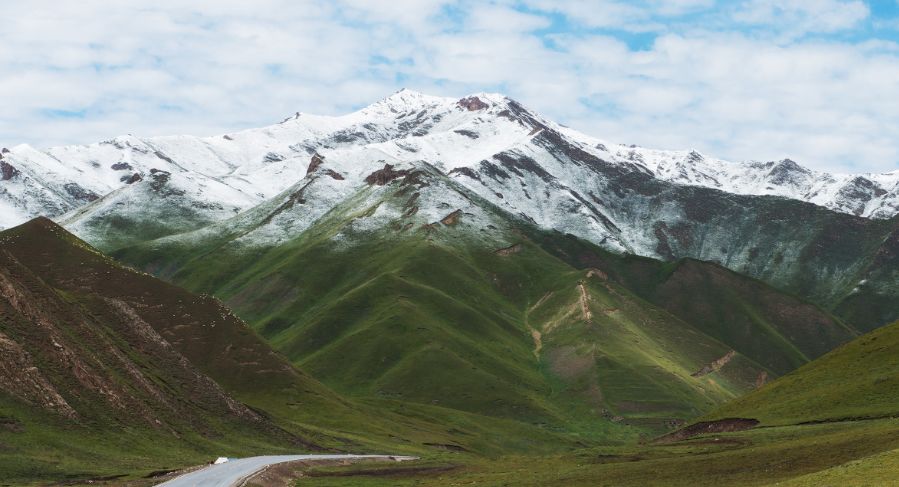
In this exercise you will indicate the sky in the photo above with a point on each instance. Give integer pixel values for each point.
(813, 80)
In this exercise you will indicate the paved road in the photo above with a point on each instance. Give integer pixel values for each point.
(228, 474)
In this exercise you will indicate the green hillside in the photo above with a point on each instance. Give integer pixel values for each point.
(106, 371)
(859, 380)
(496, 320)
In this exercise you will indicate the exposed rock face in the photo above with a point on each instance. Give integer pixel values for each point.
(506, 251)
(79, 193)
(452, 218)
(472, 103)
(385, 175)
(19, 377)
(334, 174)
(7, 171)
(317, 160)
(715, 365)
(121, 166)
(132, 178)
(273, 157)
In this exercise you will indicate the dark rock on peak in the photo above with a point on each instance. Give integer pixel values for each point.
(465, 171)
(787, 172)
(452, 218)
(273, 157)
(79, 193)
(164, 157)
(7, 171)
(316, 161)
(334, 174)
(121, 166)
(131, 179)
(4, 151)
(385, 175)
(467, 133)
(694, 157)
(472, 103)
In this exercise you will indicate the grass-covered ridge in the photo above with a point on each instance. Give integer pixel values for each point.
(859, 380)
(108, 371)
(474, 312)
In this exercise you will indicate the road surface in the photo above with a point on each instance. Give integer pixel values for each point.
(231, 473)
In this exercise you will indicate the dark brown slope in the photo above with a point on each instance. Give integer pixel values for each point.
(97, 344)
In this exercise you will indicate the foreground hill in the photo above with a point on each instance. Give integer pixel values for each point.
(831, 422)
(91, 350)
(857, 381)
(106, 371)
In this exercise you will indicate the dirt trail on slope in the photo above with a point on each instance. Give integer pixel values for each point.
(541, 301)
(585, 303)
(538, 341)
(716, 365)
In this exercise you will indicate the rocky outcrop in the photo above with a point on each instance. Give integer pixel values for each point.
(333, 174)
(715, 365)
(132, 178)
(20, 378)
(121, 166)
(472, 103)
(316, 161)
(385, 175)
(7, 171)
(452, 218)
(507, 251)
(76, 191)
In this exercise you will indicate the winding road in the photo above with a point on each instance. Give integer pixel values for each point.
(230, 474)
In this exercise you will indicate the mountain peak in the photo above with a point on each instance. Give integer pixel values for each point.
(405, 98)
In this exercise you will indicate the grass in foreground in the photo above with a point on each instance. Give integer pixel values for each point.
(848, 453)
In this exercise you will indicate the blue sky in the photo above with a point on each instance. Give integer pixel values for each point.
(813, 80)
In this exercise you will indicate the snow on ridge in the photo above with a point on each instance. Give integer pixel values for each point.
(240, 169)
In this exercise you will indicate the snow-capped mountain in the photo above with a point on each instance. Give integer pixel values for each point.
(217, 177)
(132, 189)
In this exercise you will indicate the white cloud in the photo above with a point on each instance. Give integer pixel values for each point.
(802, 16)
(216, 66)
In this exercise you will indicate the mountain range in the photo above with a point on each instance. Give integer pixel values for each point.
(423, 275)
(825, 237)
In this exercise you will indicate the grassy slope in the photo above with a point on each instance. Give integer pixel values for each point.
(773, 328)
(77, 279)
(436, 317)
(831, 454)
(858, 380)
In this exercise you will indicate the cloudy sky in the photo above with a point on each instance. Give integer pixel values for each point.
(813, 80)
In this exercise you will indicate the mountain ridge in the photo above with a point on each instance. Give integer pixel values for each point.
(122, 160)
(531, 168)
